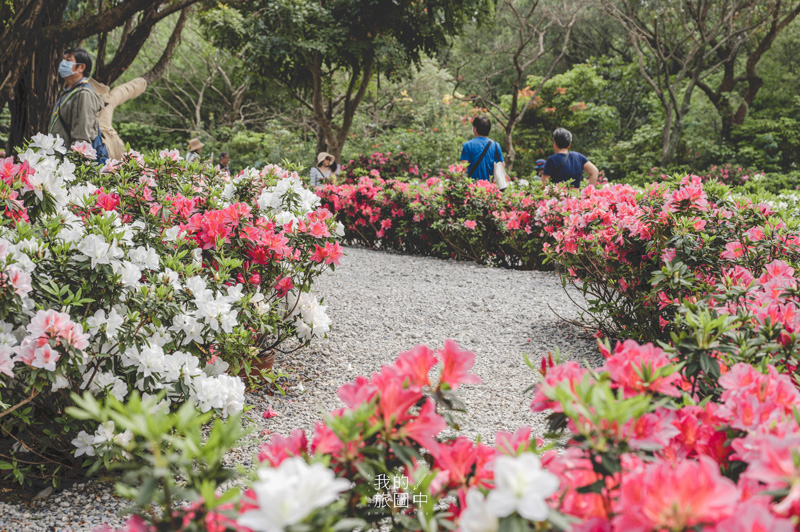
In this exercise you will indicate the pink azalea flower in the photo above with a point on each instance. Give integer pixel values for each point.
(108, 202)
(426, 426)
(20, 280)
(774, 462)
(456, 365)
(651, 431)
(325, 440)
(415, 365)
(280, 448)
(660, 496)
(170, 154)
(631, 359)
(270, 413)
(85, 149)
(395, 400)
(283, 286)
(513, 444)
(470, 224)
(456, 458)
(45, 357)
(48, 322)
(330, 254)
(6, 361)
(571, 372)
(355, 393)
(753, 516)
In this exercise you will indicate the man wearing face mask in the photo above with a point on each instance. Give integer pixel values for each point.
(74, 117)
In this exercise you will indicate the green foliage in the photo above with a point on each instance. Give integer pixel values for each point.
(251, 148)
(146, 137)
(285, 37)
(571, 100)
(166, 459)
(773, 183)
(771, 145)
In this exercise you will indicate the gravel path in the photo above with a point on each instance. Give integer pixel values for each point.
(382, 304)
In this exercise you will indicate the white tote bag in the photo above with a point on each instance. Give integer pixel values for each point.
(499, 172)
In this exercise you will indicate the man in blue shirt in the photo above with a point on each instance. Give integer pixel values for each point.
(481, 168)
(565, 165)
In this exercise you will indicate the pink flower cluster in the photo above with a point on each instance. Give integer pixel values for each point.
(47, 332)
(676, 460)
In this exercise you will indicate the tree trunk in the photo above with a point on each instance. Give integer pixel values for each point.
(668, 147)
(33, 70)
(671, 139)
(322, 144)
(35, 93)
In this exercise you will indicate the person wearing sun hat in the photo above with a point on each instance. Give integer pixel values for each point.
(325, 169)
(539, 166)
(194, 150)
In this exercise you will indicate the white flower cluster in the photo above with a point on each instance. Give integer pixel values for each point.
(311, 318)
(51, 174)
(288, 199)
(788, 203)
(128, 321)
(146, 358)
(104, 437)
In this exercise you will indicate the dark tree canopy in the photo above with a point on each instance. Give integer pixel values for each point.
(312, 47)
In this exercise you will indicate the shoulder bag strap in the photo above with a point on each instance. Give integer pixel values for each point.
(560, 166)
(475, 167)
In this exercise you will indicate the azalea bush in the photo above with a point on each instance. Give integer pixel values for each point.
(381, 462)
(727, 174)
(643, 454)
(385, 165)
(633, 449)
(448, 216)
(638, 255)
(171, 463)
(145, 274)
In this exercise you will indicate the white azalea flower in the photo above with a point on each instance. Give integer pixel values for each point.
(173, 233)
(104, 433)
(124, 438)
(84, 444)
(95, 248)
(477, 517)
(61, 383)
(190, 326)
(522, 486)
(195, 284)
(287, 494)
(145, 258)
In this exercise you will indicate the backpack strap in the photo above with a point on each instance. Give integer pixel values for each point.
(475, 167)
(64, 99)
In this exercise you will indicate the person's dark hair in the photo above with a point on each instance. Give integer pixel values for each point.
(482, 125)
(83, 57)
(562, 138)
(222, 155)
(334, 166)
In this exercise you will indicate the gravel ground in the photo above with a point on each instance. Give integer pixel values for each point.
(382, 304)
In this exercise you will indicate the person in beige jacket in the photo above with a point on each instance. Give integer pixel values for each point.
(114, 98)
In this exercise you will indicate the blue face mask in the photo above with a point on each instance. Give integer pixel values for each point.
(65, 68)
